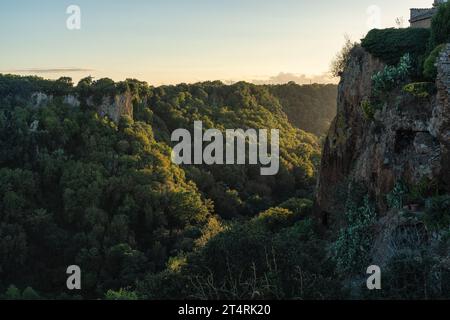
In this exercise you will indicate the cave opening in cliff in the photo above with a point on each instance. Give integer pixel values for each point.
(403, 140)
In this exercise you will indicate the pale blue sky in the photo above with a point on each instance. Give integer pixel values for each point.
(172, 41)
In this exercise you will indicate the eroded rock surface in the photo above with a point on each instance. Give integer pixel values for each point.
(408, 140)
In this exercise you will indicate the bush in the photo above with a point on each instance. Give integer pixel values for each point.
(30, 294)
(429, 66)
(420, 89)
(391, 76)
(415, 275)
(300, 207)
(120, 295)
(276, 218)
(249, 262)
(352, 248)
(440, 26)
(12, 293)
(398, 196)
(438, 212)
(368, 109)
(390, 45)
(340, 61)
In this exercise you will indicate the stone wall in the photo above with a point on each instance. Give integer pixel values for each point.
(424, 24)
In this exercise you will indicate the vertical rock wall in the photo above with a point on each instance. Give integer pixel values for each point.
(407, 140)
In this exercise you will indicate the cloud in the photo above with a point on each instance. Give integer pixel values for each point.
(54, 70)
(283, 78)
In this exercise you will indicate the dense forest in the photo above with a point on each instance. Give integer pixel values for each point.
(81, 188)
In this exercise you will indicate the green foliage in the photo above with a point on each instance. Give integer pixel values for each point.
(276, 218)
(299, 207)
(403, 194)
(340, 62)
(368, 109)
(122, 294)
(397, 197)
(288, 264)
(352, 248)
(240, 190)
(416, 265)
(391, 76)
(29, 294)
(422, 190)
(416, 275)
(429, 66)
(13, 86)
(438, 212)
(420, 89)
(12, 293)
(309, 107)
(390, 45)
(102, 195)
(440, 26)
(76, 187)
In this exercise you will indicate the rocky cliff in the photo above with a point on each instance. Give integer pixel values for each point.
(113, 107)
(408, 139)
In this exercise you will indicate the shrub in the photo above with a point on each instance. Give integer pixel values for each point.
(300, 207)
(397, 197)
(391, 76)
(429, 66)
(340, 61)
(438, 212)
(30, 294)
(122, 294)
(352, 248)
(422, 190)
(409, 275)
(276, 218)
(12, 293)
(249, 262)
(440, 26)
(420, 89)
(368, 109)
(390, 45)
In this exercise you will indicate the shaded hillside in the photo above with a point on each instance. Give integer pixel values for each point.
(308, 107)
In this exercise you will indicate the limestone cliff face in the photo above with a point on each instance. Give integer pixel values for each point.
(409, 139)
(113, 107)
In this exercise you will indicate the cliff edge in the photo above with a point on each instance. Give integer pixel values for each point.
(408, 139)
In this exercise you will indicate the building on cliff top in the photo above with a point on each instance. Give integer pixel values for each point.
(421, 18)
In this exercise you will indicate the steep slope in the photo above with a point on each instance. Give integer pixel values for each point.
(407, 140)
(308, 107)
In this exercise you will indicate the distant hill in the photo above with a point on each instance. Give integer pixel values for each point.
(308, 107)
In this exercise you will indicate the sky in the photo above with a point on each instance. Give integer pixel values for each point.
(175, 41)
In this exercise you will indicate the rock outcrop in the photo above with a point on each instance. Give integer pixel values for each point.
(113, 107)
(407, 140)
(441, 113)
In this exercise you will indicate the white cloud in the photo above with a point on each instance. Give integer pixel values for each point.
(282, 78)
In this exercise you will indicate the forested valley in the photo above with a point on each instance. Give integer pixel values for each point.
(78, 187)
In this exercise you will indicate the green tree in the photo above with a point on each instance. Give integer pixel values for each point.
(12, 293)
(440, 26)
